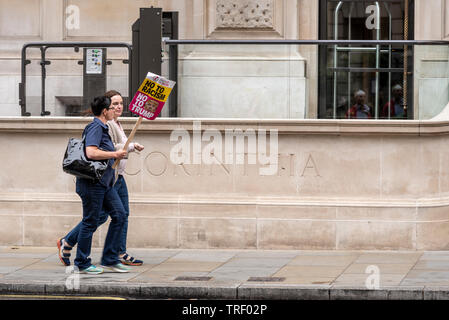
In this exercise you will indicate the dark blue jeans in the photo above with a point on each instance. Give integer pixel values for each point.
(94, 197)
(122, 190)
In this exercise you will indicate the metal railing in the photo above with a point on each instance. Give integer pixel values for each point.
(173, 56)
(338, 45)
(310, 42)
(43, 46)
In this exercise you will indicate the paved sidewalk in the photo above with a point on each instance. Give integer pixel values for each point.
(236, 274)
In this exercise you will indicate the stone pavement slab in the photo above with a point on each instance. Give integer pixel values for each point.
(298, 271)
(323, 260)
(236, 274)
(427, 277)
(384, 268)
(388, 257)
(358, 279)
(432, 265)
(435, 255)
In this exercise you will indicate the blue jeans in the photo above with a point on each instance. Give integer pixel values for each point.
(94, 197)
(122, 190)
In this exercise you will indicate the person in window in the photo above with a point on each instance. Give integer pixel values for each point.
(342, 108)
(359, 110)
(395, 105)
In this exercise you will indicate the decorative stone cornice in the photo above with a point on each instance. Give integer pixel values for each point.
(235, 200)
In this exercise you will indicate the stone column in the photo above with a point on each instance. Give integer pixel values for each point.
(250, 81)
(308, 21)
(431, 71)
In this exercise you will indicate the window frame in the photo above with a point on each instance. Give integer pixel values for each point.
(323, 56)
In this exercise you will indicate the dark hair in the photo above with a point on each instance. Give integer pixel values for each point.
(108, 94)
(100, 103)
(112, 93)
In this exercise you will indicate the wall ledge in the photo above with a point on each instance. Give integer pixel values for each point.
(229, 200)
(284, 126)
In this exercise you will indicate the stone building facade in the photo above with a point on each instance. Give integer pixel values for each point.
(337, 184)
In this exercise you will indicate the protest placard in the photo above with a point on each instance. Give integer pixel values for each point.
(148, 101)
(151, 96)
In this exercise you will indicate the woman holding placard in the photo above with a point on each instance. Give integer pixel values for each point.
(96, 195)
(119, 139)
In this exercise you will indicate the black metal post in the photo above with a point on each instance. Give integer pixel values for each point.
(173, 65)
(43, 63)
(134, 84)
(173, 75)
(147, 43)
(22, 85)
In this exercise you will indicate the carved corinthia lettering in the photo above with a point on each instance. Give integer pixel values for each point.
(245, 14)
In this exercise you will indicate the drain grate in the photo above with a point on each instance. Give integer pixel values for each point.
(267, 279)
(186, 278)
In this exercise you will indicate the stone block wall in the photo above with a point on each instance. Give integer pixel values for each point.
(337, 185)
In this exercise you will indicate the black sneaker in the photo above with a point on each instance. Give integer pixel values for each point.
(130, 261)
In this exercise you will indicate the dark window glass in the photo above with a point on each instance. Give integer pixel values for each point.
(365, 81)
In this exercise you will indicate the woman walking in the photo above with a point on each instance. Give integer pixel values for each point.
(97, 195)
(119, 139)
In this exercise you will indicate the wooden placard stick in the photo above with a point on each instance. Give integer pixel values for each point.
(131, 136)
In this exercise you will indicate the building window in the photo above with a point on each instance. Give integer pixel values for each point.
(365, 81)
